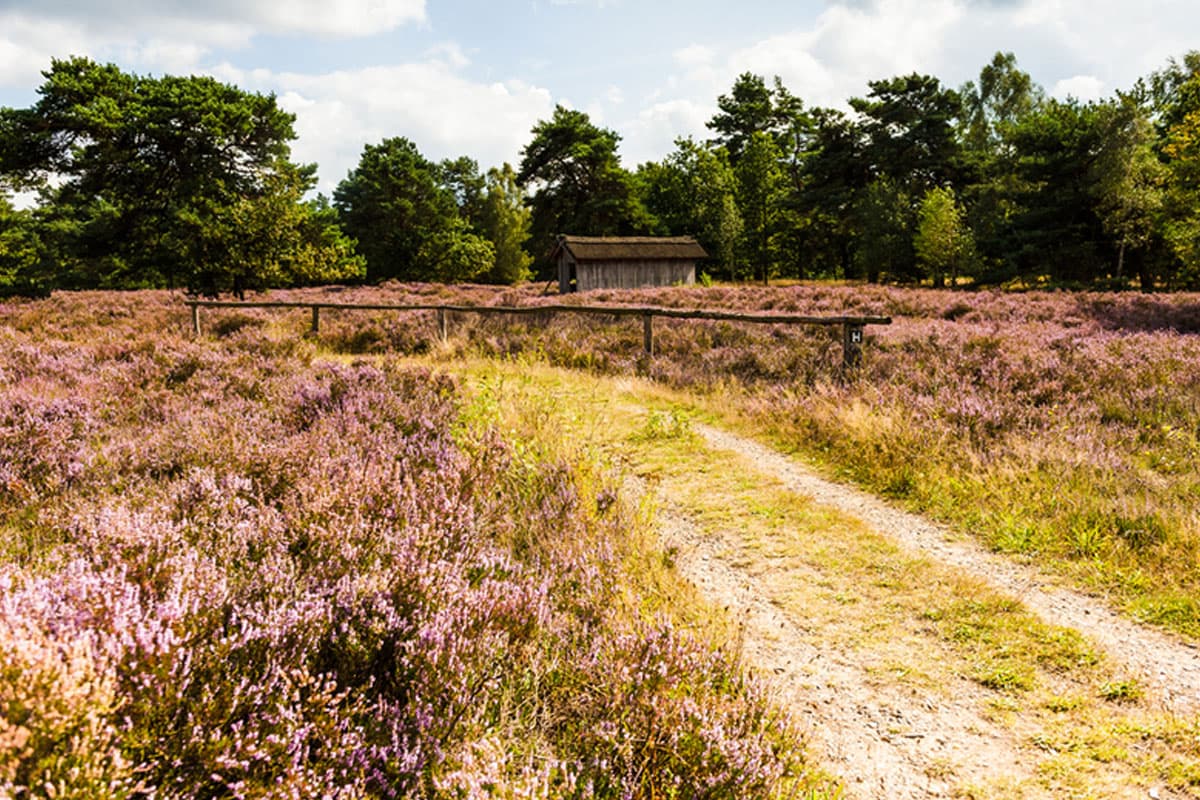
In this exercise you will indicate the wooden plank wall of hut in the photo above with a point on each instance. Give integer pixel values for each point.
(633, 274)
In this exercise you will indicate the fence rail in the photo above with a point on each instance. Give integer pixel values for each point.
(852, 326)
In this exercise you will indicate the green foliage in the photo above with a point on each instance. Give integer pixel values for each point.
(186, 181)
(505, 222)
(462, 177)
(275, 240)
(1125, 691)
(1174, 91)
(885, 223)
(21, 251)
(1129, 181)
(405, 213)
(454, 254)
(1181, 148)
(671, 424)
(1058, 230)
(943, 243)
(693, 192)
(910, 131)
(760, 188)
(1003, 96)
(835, 171)
(159, 181)
(581, 188)
(774, 236)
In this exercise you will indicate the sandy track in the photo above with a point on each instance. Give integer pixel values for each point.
(1164, 664)
(885, 741)
(886, 738)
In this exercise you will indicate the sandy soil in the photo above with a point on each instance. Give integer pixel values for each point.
(888, 739)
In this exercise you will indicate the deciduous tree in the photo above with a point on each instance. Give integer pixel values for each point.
(692, 192)
(884, 213)
(1130, 183)
(505, 223)
(21, 252)
(943, 243)
(760, 192)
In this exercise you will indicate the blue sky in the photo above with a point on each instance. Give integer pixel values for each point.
(472, 78)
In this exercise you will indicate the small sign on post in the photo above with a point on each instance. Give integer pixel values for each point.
(316, 320)
(852, 340)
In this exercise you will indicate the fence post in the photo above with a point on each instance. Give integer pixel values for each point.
(196, 319)
(442, 324)
(852, 339)
(648, 334)
(316, 320)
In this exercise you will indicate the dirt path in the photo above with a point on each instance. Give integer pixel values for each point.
(1166, 665)
(883, 740)
(887, 738)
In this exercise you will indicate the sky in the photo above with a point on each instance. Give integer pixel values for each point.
(472, 78)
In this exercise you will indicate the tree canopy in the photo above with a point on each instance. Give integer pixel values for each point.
(162, 181)
(405, 212)
(578, 184)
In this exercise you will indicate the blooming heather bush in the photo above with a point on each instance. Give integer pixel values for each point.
(42, 444)
(1061, 425)
(244, 572)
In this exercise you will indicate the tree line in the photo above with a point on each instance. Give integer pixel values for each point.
(185, 181)
(991, 183)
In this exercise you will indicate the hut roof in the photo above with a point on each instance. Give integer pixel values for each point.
(631, 248)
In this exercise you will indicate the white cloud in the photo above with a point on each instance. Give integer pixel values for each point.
(342, 18)
(652, 133)
(27, 45)
(175, 35)
(450, 54)
(694, 55)
(849, 46)
(445, 114)
(1081, 87)
(318, 17)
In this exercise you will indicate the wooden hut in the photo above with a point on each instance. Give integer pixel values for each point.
(625, 262)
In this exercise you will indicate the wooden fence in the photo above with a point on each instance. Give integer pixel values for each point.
(852, 326)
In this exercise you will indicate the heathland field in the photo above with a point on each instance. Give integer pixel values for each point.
(372, 563)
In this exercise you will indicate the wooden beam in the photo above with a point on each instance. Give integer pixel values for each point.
(852, 326)
(617, 311)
